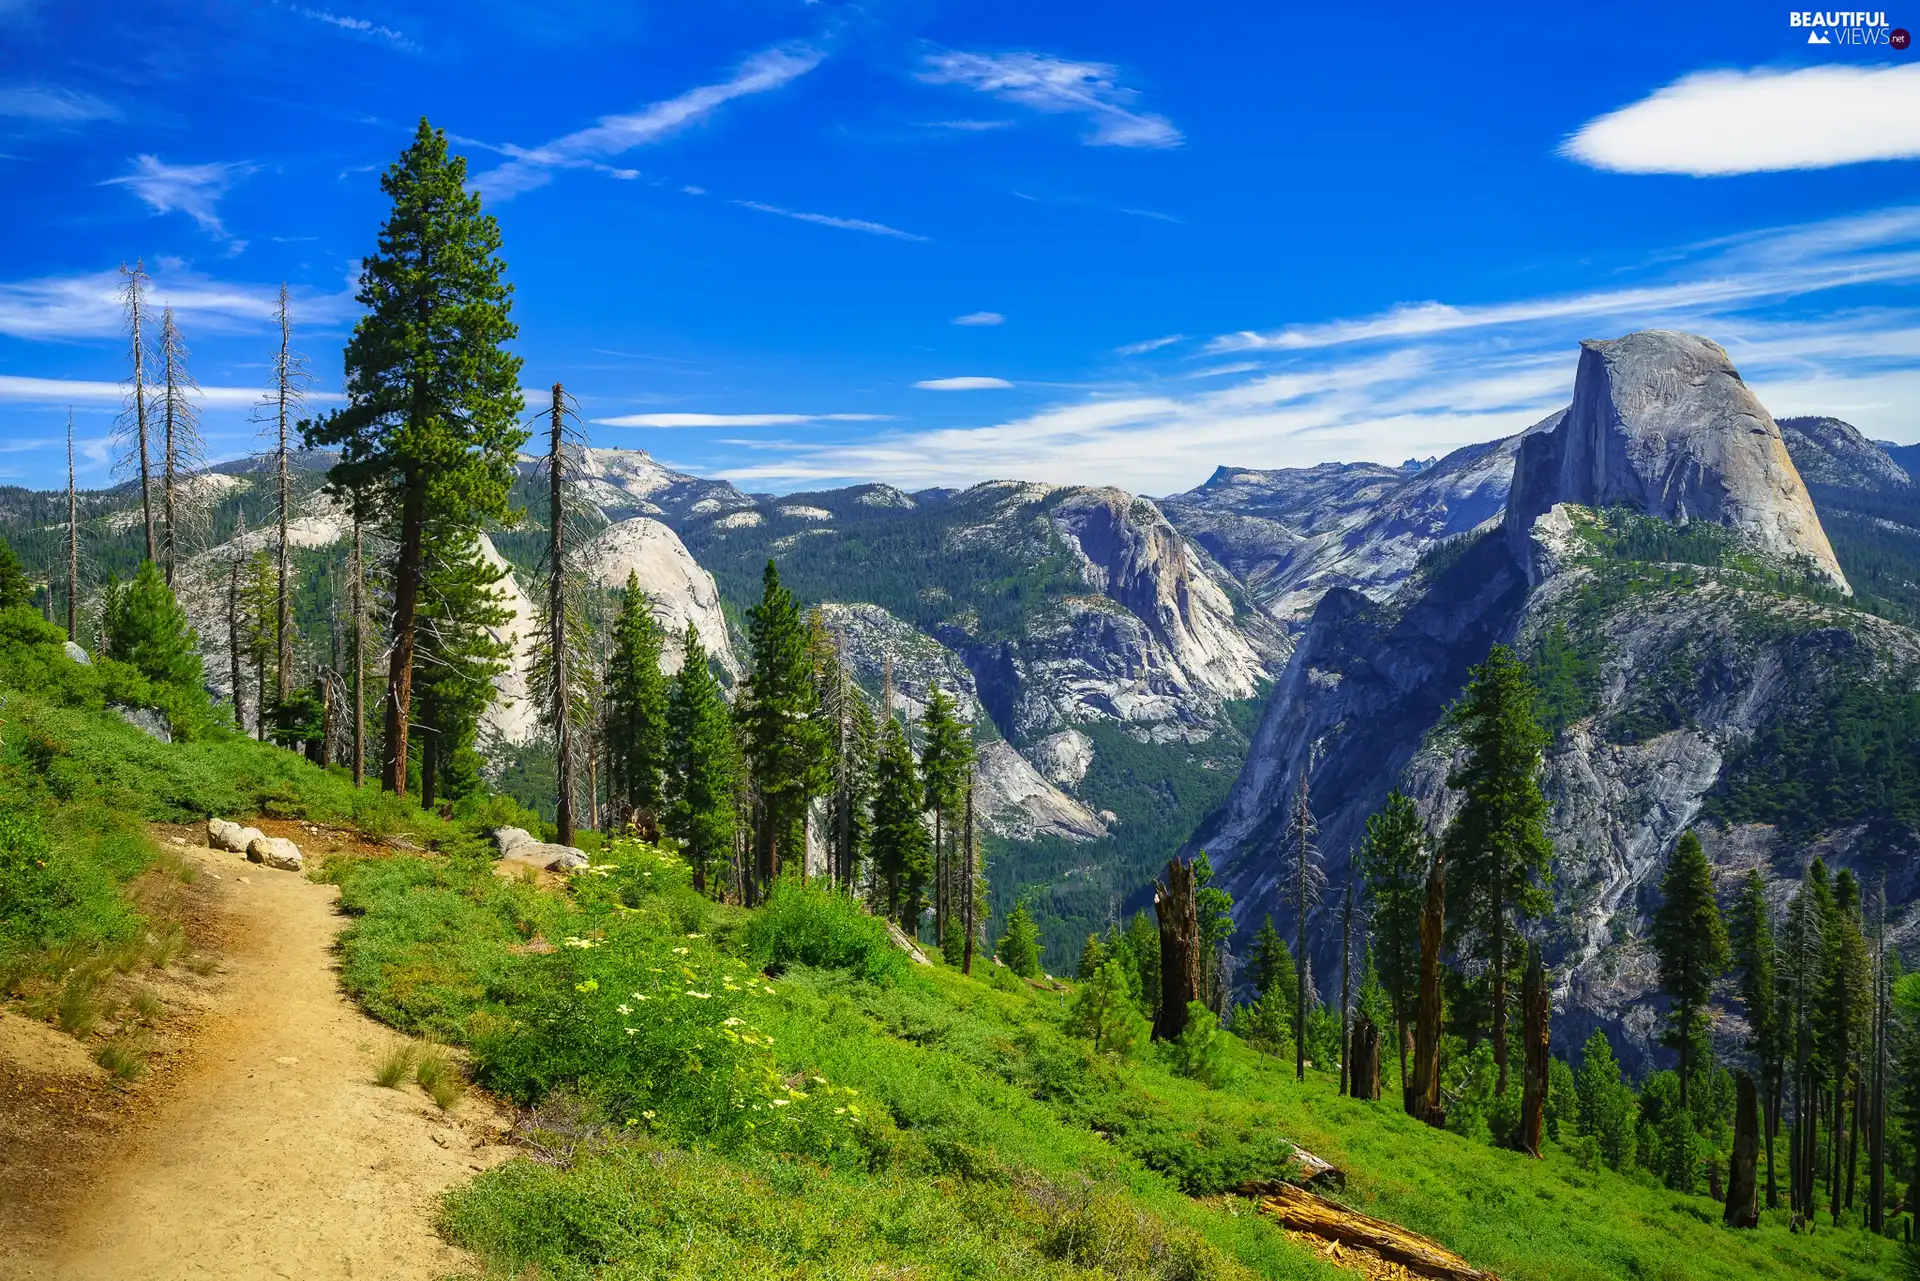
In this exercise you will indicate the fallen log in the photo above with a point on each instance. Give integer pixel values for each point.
(1304, 1211)
(1315, 1172)
(900, 940)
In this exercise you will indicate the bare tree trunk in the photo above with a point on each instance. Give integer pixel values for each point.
(135, 311)
(235, 650)
(1877, 1149)
(1743, 1209)
(557, 620)
(1537, 1052)
(406, 603)
(1346, 982)
(1423, 1095)
(1175, 905)
(1364, 1075)
(283, 404)
(359, 652)
(1499, 996)
(167, 449)
(326, 720)
(966, 954)
(73, 543)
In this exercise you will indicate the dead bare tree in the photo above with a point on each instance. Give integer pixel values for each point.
(1177, 908)
(563, 670)
(181, 450)
(280, 412)
(133, 429)
(1346, 981)
(73, 543)
(236, 643)
(1423, 1092)
(1307, 882)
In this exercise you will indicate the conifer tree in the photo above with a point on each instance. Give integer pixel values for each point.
(258, 597)
(787, 748)
(431, 431)
(1752, 943)
(702, 764)
(73, 542)
(1213, 911)
(636, 714)
(458, 655)
(1269, 1019)
(900, 847)
(1691, 942)
(1844, 1013)
(1496, 847)
(149, 632)
(1394, 861)
(15, 587)
(853, 787)
(1093, 955)
(281, 410)
(1019, 948)
(1103, 1009)
(1607, 1111)
(1142, 938)
(1802, 972)
(946, 760)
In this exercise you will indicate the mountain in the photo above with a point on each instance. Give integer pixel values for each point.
(1663, 567)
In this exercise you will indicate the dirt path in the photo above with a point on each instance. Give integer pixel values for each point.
(270, 1152)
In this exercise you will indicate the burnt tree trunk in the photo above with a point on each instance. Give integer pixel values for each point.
(1743, 1186)
(1364, 1075)
(1537, 1022)
(1174, 904)
(1423, 1094)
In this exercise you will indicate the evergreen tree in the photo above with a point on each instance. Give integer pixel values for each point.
(456, 659)
(1019, 948)
(1305, 881)
(1496, 847)
(15, 589)
(702, 764)
(1393, 859)
(1691, 943)
(1563, 1100)
(946, 761)
(1753, 949)
(1269, 1019)
(785, 739)
(1143, 945)
(431, 432)
(635, 722)
(1607, 1111)
(900, 848)
(1093, 955)
(853, 788)
(1845, 1009)
(149, 632)
(1801, 974)
(1103, 1010)
(1213, 907)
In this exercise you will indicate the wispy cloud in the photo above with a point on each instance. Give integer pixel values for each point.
(828, 220)
(1150, 344)
(78, 391)
(590, 148)
(359, 26)
(1045, 83)
(87, 305)
(735, 420)
(968, 383)
(194, 190)
(980, 318)
(52, 105)
(1714, 123)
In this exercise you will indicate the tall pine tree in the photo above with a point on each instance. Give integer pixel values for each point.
(1393, 858)
(636, 714)
(1751, 938)
(1691, 942)
(900, 846)
(459, 653)
(946, 760)
(1496, 847)
(702, 764)
(786, 741)
(431, 431)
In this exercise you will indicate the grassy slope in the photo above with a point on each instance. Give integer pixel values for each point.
(1002, 1146)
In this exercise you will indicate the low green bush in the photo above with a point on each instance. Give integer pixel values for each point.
(819, 925)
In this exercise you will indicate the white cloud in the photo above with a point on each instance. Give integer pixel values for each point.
(1713, 123)
(76, 391)
(87, 305)
(360, 26)
(963, 384)
(828, 220)
(980, 318)
(735, 420)
(1151, 344)
(53, 105)
(194, 190)
(1057, 86)
(589, 148)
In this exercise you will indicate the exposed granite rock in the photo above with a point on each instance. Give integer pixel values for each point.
(678, 589)
(1831, 452)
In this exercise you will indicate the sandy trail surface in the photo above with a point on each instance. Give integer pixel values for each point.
(268, 1151)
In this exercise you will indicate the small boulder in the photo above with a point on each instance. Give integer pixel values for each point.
(218, 832)
(77, 654)
(146, 720)
(242, 841)
(275, 851)
(518, 845)
(510, 839)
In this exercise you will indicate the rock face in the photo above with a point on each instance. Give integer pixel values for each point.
(1662, 424)
(1831, 452)
(628, 482)
(511, 716)
(680, 591)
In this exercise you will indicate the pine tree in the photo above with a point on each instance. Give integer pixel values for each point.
(1691, 943)
(702, 764)
(1753, 949)
(1103, 1010)
(1393, 859)
(149, 632)
(900, 847)
(1142, 938)
(1019, 948)
(636, 714)
(1268, 1020)
(458, 655)
(946, 760)
(1607, 1112)
(853, 787)
(1306, 880)
(431, 432)
(1845, 1006)
(15, 588)
(1496, 847)
(1213, 908)
(73, 542)
(1801, 973)
(1093, 955)
(786, 743)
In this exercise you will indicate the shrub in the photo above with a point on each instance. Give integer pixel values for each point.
(1019, 948)
(1200, 1051)
(823, 927)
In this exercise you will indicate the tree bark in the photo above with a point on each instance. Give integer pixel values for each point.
(406, 606)
(966, 889)
(1743, 1207)
(359, 653)
(1304, 1211)
(1174, 904)
(1537, 1050)
(557, 620)
(1499, 996)
(1423, 1094)
(1364, 1075)
(1346, 986)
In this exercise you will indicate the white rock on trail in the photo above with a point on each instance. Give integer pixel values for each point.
(275, 851)
(231, 837)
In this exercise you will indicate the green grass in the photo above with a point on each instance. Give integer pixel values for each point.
(990, 1141)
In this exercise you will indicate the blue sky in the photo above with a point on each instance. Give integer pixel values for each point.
(798, 244)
